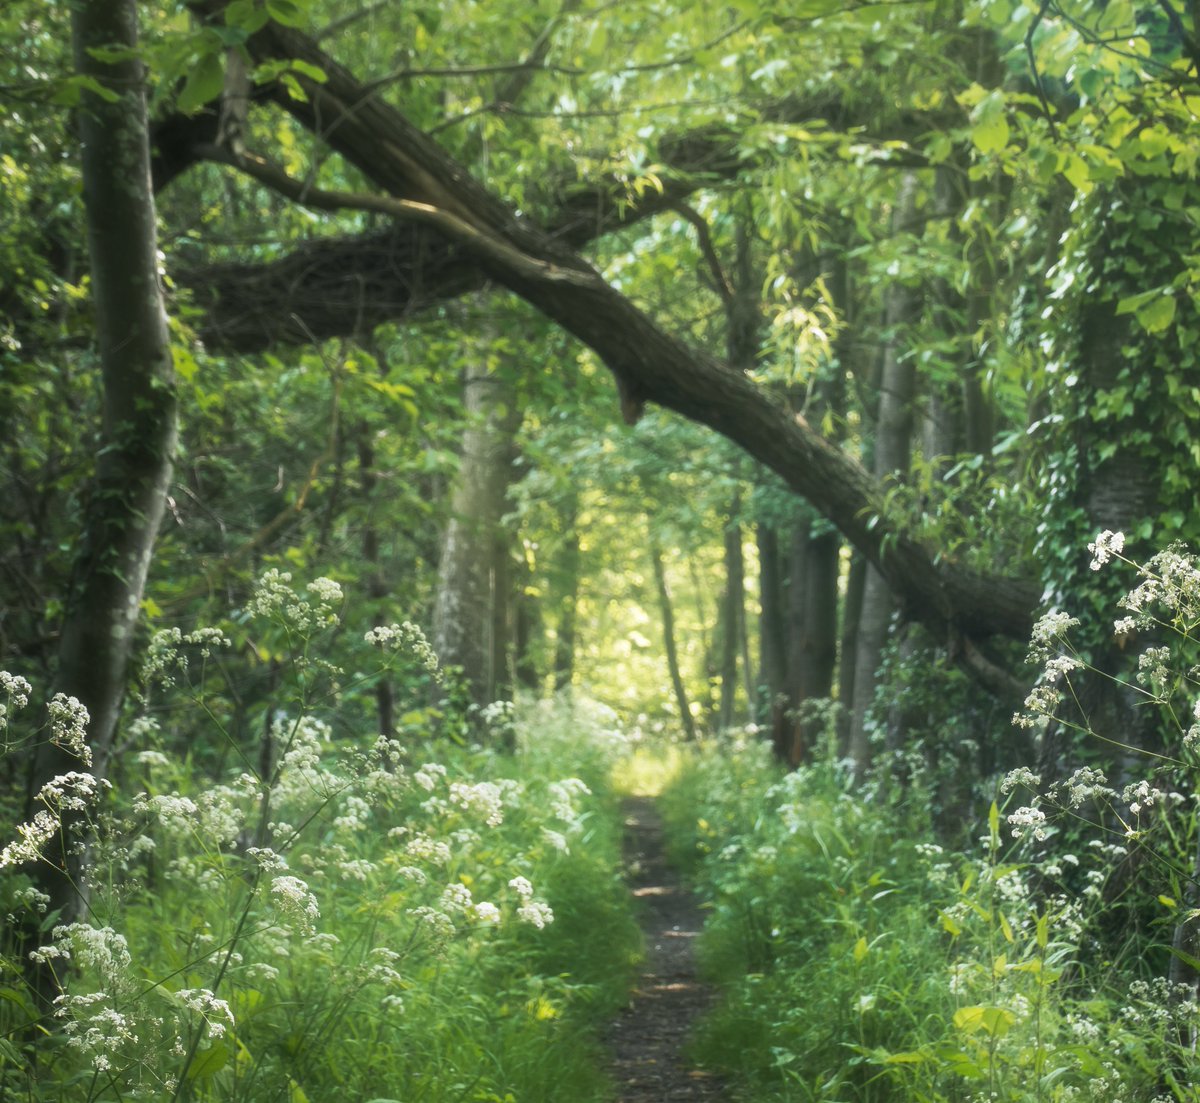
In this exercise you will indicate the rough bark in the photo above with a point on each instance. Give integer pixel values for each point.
(138, 430)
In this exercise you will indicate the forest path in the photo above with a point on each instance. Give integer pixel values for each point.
(647, 1039)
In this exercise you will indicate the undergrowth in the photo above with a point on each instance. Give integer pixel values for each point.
(859, 962)
(336, 917)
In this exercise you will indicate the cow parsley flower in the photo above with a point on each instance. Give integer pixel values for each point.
(31, 839)
(1028, 819)
(294, 901)
(68, 726)
(406, 637)
(535, 913)
(1107, 545)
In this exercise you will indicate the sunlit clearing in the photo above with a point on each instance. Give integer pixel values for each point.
(647, 770)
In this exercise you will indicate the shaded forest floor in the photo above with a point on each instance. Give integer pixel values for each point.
(648, 1040)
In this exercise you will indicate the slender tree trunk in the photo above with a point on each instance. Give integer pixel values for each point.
(564, 643)
(893, 435)
(501, 667)
(856, 581)
(138, 432)
(772, 623)
(668, 623)
(464, 618)
(377, 587)
(528, 630)
(733, 614)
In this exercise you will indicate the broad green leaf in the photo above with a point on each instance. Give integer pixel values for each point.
(1158, 314)
(989, 129)
(1076, 172)
(860, 950)
(208, 1062)
(994, 1021)
(204, 83)
(287, 12)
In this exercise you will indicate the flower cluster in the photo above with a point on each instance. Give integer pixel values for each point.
(405, 638)
(275, 599)
(1105, 547)
(68, 726)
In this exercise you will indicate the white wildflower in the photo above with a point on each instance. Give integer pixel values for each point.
(486, 912)
(1028, 819)
(1021, 776)
(1105, 546)
(455, 898)
(563, 795)
(521, 886)
(215, 1012)
(428, 776)
(68, 726)
(294, 901)
(535, 913)
(481, 798)
(406, 637)
(32, 838)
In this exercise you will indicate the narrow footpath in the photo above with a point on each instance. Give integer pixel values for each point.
(648, 1038)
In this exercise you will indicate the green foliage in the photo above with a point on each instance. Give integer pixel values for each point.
(331, 914)
(860, 961)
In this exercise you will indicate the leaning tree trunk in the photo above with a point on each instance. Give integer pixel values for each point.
(464, 617)
(138, 430)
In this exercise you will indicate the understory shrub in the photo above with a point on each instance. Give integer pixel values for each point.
(860, 961)
(338, 917)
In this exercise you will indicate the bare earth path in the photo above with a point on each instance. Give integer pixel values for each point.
(647, 1038)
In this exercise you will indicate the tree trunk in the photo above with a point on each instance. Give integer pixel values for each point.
(528, 631)
(856, 582)
(464, 618)
(377, 587)
(138, 431)
(668, 625)
(564, 642)
(733, 615)
(893, 436)
(772, 623)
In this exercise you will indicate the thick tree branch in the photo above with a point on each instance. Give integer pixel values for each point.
(649, 364)
(484, 245)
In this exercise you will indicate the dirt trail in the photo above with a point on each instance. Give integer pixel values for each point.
(647, 1038)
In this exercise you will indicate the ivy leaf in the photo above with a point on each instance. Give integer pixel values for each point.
(1158, 315)
(1154, 309)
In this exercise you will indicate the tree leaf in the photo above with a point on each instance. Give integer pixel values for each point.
(204, 83)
